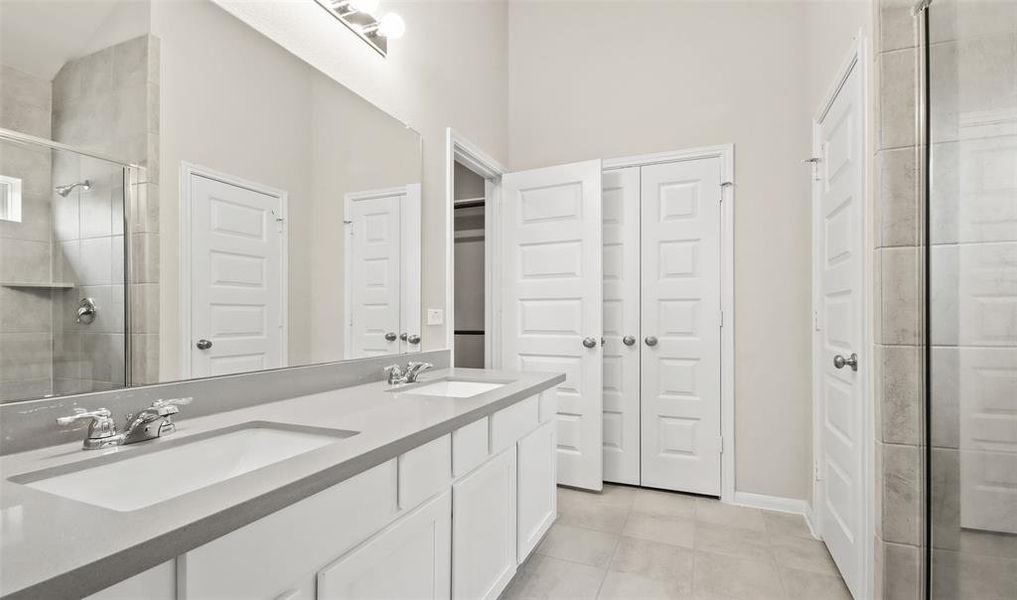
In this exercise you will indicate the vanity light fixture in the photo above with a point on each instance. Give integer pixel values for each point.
(358, 16)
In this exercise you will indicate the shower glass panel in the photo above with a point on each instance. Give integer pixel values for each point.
(971, 57)
(62, 265)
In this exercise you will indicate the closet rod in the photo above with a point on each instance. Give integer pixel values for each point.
(469, 204)
(470, 332)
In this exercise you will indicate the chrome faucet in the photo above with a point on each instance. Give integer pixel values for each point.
(397, 375)
(102, 429)
(155, 421)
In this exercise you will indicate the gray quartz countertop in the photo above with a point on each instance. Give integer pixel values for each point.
(53, 547)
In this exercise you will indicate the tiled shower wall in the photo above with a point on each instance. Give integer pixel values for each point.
(898, 284)
(108, 102)
(972, 61)
(26, 326)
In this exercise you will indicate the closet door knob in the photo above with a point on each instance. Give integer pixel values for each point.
(629, 340)
(650, 340)
(413, 338)
(590, 342)
(391, 336)
(203, 344)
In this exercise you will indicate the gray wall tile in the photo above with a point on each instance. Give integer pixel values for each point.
(900, 370)
(898, 197)
(902, 478)
(25, 310)
(897, 99)
(896, 25)
(901, 572)
(899, 296)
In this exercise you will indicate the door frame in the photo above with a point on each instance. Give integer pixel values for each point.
(725, 153)
(188, 170)
(857, 58)
(458, 149)
(409, 205)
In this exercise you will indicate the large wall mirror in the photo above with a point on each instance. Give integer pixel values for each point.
(180, 197)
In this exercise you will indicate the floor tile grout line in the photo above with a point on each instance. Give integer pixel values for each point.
(610, 561)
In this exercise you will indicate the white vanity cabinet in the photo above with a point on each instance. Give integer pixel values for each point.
(484, 529)
(537, 491)
(410, 559)
(449, 519)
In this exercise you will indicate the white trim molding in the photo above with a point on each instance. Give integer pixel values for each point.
(779, 504)
(187, 170)
(460, 150)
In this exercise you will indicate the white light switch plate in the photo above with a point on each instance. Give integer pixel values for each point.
(435, 316)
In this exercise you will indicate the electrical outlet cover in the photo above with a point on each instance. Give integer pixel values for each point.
(435, 316)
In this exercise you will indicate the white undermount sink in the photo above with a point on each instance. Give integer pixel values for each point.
(131, 481)
(453, 388)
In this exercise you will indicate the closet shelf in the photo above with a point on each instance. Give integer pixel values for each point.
(53, 285)
(469, 234)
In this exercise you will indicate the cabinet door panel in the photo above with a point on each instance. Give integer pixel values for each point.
(537, 497)
(157, 583)
(409, 559)
(272, 555)
(484, 529)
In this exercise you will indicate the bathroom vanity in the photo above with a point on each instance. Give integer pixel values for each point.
(433, 490)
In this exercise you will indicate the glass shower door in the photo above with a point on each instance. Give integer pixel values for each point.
(971, 55)
(62, 275)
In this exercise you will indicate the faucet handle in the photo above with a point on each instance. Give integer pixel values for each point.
(80, 414)
(169, 407)
(102, 429)
(395, 374)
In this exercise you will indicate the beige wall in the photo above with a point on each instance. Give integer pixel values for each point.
(290, 128)
(448, 71)
(538, 83)
(591, 80)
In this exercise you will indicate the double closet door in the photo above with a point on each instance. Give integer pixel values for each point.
(613, 277)
(662, 325)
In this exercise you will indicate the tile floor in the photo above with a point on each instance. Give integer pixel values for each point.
(642, 544)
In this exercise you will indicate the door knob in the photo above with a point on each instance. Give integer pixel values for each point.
(391, 336)
(402, 336)
(590, 342)
(629, 340)
(413, 338)
(650, 340)
(204, 344)
(851, 361)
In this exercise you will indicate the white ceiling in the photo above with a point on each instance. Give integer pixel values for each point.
(39, 36)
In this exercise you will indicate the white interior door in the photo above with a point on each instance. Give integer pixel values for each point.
(838, 238)
(237, 282)
(621, 325)
(551, 299)
(409, 268)
(373, 274)
(681, 220)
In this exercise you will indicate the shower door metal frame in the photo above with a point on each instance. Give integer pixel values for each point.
(923, 163)
(133, 175)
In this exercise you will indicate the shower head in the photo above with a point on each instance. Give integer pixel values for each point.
(65, 190)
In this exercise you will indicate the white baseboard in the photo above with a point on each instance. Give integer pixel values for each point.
(777, 503)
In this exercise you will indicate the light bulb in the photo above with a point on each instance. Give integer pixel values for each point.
(364, 6)
(391, 26)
